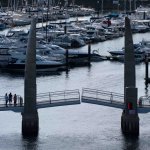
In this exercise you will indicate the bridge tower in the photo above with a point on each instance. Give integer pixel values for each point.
(30, 120)
(129, 118)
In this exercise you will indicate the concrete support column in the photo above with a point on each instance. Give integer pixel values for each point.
(30, 119)
(30, 124)
(130, 124)
(129, 118)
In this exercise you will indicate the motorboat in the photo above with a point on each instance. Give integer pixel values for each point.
(138, 58)
(42, 65)
(5, 57)
(2, 26)
(137, 50)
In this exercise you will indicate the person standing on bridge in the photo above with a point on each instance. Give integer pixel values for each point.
(15, 100)
(6, 99)
(10, 98)
(21, 101)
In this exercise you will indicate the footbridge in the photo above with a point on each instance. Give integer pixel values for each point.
(49, 99)
(72, 97)
(112, 99)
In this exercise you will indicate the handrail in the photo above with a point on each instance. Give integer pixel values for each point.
(97, 94)
(66, 96)
(100, 91)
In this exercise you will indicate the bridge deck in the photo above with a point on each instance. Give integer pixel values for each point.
(71, 97)
(110, 99)
(50, 99)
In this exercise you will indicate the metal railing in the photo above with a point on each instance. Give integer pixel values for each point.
(46, 98)
(59, 96)
(74, 96)
(99, 95)
(3, 101)
(144, 101)
(111, 97)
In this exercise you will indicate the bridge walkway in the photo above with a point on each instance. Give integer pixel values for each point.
(49, 99)
(112, 99)
(71, 97)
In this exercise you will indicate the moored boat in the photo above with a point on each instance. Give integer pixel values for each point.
(5, 57)
(42, 65)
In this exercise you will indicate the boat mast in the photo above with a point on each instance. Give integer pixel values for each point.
(130, 5)
(134, 4)
(102, 6)
(47, 20)
(124, 6)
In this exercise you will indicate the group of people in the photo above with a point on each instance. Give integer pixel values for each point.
(13, 99)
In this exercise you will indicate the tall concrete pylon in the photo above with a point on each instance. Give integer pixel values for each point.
(30, 120)
(129, 118)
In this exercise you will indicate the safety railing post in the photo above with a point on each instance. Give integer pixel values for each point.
(97, 94)
(50, 98)
(64, 94)
(82, 93)
(111, 97)
(79, 95)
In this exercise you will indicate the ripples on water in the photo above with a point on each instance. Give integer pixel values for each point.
(79, 127)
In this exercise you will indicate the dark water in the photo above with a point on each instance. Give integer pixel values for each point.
(78, 127)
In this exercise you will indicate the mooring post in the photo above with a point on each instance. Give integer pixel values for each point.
(30, 119)
(65, 29)
(144, 15)
(129, 118)
(146, 70)
(67, 57)
(89, 53)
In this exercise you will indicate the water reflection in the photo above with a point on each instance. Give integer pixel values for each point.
(146, 89)
(67, 73)
(21, 74)
(30, 143)
(130, 143)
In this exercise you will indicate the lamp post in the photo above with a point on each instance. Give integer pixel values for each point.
(118, 7)
(124, 6)
(102, 6)
(134, 4)
(130, 5)
(47, 18)
(98, 7)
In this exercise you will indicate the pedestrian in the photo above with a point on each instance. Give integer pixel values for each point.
(10, 98)
(140, 101)
(15, 100)
(6, 99)
(21, 101)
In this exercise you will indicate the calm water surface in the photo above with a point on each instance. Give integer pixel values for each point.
(78, 127)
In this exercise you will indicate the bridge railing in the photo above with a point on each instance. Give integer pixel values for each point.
(59, 96)
(99, 95)
(3, 101)
(49, 97)
(144, 101)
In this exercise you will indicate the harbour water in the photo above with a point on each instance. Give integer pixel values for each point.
(78, 127)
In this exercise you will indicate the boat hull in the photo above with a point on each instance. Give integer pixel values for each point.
(39, 68)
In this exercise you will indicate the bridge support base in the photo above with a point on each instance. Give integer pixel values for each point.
(30, 124)
(130, 124)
